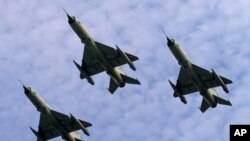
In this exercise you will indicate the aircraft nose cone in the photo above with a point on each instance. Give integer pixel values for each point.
(26, 90)
(170, 42)
(71, 19)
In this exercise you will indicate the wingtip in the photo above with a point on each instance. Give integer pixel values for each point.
(201, 110)
(111, 92)
(230, 104)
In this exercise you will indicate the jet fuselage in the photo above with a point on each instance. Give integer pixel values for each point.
(44, 109)
(185, 63)
(82, 33)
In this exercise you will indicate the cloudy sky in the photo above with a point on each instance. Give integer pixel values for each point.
(37, 46)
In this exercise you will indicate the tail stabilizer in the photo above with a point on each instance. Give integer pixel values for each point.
(204, 105)
(112, 86)
(222, 101)
(130, 80)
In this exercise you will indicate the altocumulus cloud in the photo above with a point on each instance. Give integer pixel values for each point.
(37, 46)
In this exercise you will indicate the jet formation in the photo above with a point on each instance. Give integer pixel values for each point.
(98, 57)
(193, 78)
(52, 123)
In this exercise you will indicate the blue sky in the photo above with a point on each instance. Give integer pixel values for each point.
(37, 45)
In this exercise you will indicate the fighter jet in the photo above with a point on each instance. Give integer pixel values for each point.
(193, 78)
(52, 123)
(98, 57)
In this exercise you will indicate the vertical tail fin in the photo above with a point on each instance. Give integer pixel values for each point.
(204, 105)
(112, 86)
(130, 80)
